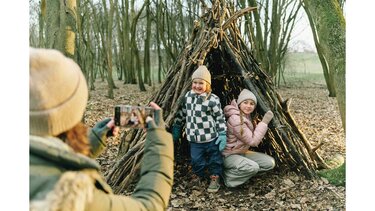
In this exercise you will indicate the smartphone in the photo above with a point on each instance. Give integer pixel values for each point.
(129, 116)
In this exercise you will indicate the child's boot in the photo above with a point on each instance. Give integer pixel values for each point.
(214, 184)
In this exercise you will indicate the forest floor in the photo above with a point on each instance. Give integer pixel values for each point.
(317, 116)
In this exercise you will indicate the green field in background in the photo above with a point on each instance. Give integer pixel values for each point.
(303, 67)
(303, 63)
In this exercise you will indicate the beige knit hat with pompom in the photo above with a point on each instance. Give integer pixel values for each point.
(58, 92)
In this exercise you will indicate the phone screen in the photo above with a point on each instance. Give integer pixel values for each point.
(132, 116)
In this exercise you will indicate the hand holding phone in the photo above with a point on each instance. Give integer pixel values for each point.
(132, 116)
(157, 121)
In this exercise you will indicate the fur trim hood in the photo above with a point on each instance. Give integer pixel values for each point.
(51, 148)
(61, 179)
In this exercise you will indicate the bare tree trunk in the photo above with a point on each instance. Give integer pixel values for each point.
(286, 33)
(91, 57)
(146, 56)
(274, 38)
(272, 33)
(106, 21)
(158, 42)
(111, 84)
(135, 50)
(161, 30)
(120, 45)
(181, 21)
(107, 44)
(81, 53)
(85, 48)
(127, 56)
(260, 50)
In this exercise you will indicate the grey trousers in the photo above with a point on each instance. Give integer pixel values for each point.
(239, 168)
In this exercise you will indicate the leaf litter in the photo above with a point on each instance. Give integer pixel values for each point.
(317, 116)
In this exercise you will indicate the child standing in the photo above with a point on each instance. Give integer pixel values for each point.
(205, 127)
(240, 164)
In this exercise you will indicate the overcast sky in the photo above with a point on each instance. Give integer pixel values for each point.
(302, 30)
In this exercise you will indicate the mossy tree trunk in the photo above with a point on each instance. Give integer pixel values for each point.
(323, 61)
(60, 25)
(71, 27)
(55, 24)
(42, 17)
(327, 19)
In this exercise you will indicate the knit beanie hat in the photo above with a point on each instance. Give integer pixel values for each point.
(58, 92)
(245, 95)
(202, 73)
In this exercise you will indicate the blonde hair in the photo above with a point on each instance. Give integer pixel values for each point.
(208, 91)
(77, 139)
(241, 122)
(208, 88)
(253, 122)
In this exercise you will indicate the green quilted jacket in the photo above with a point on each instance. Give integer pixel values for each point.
(61, 179)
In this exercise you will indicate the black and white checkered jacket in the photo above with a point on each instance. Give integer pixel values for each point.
(204, 118)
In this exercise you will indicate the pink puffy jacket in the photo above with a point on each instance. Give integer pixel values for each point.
(237, 143)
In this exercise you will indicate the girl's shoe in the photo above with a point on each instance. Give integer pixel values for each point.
(214, 184)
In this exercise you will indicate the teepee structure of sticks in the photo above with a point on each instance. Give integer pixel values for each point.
(217, 43)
